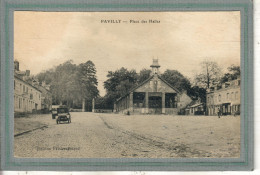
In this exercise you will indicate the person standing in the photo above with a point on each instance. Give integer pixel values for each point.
(219, 112)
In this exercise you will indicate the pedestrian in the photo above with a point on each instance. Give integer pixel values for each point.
(219, 113)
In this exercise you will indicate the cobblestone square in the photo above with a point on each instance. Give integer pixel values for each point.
(94, 135)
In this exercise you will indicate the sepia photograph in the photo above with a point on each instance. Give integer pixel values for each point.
(127, 84)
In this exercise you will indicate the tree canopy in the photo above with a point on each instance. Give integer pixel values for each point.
(177, 80)
(118, 84)
(71, 83)
(233, 73)
(210, 74)
(121, 81)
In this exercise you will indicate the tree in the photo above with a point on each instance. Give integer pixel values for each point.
(196, 92)
(62, 82)
(144, 75)
(87, 81)
(209, 76)
(177, 80)
(118, 78)
(70, 84)
(119, 83)
(233, 73)
(46, 76)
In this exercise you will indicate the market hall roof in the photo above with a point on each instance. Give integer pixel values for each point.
(145, 81)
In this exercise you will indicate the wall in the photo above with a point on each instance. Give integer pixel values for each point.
(25, 96)
(216, 98)
(150, 86)
(184, 101)
(155, 84)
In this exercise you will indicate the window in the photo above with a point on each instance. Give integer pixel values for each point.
(19, 103)
(170, 100)
(219, 98)
(227, 96)
(14, 84)
(62, 110)
(138, 99)
(232, 96)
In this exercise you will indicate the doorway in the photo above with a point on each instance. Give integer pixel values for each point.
(155, 103)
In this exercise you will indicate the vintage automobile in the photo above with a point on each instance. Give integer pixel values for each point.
(63, 115)
(54, 111)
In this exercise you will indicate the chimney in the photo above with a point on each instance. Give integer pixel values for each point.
(27, 73)
(16, 65)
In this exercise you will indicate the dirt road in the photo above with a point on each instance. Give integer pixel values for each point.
(92, 135)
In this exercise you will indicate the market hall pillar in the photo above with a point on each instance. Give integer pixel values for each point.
(146, 103)
(131, 101)
(163, 102)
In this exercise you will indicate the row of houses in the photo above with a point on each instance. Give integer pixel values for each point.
(225, 98)
(157, 96)
(29, 95)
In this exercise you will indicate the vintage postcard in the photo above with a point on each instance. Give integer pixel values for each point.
(127, 84)
(147, 85)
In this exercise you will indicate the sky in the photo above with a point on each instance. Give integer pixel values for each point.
(179, 40)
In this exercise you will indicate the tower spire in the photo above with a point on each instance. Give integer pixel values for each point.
(155, 67)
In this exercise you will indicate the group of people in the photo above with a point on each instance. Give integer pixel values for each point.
(220, 113)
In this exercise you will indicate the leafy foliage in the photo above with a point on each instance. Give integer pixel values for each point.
(196, 92)
(210, 74)
(87, 80)
(144, 75)
(119, 83)
(122, 81)
(69, 83)
(234, 73)
(177, 80)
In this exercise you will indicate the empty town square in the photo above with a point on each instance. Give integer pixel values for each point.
(99, 135)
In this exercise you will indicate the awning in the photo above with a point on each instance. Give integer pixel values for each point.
(196, 105)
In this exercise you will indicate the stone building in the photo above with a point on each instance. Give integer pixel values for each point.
(225, 98)
(153, 96)
(196, 107)
(29, 96)
(46, 100)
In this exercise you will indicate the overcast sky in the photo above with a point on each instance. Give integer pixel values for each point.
(180, 41)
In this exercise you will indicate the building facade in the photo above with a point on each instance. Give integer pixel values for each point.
(153, 96)
(225, 99)
(27, 98)
(46, 98)
(196, 107)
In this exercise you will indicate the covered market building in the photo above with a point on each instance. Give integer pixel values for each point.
(153, 96)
